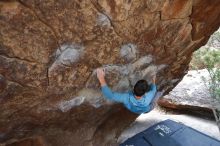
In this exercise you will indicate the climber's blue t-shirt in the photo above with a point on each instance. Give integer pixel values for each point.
(137, 106)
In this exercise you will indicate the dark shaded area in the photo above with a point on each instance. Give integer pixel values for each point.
(202, 112)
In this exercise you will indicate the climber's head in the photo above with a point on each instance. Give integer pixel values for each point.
(141, 87)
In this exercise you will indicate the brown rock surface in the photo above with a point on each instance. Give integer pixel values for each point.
(49, 51)
(33, 141)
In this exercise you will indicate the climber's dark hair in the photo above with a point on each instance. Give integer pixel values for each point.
(141, 87)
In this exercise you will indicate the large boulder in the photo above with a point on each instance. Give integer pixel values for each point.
(49, 51)
(192, 95)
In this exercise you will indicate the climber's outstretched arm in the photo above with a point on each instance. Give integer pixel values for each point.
(115, 96)
(101, 76)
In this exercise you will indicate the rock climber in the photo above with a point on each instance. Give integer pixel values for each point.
(138, 101)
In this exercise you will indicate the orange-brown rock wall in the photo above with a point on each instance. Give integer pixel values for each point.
(49, 51)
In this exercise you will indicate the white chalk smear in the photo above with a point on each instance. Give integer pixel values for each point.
(103, 20)
(65, 106)
(129, 52)
(66, 56)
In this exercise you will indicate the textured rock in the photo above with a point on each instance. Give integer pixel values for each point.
(49, 52)
(196, 110)
(176, 9)
(193, 90)
(33, 141)
(192, 95)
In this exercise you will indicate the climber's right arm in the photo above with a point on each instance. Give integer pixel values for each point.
(115, 96)
(101, 76)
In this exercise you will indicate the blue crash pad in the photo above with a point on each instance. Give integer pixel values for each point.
(170, 133)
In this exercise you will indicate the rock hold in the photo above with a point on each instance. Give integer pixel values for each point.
(66, 56)
(129, 52)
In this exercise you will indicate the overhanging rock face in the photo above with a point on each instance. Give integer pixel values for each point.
(49, 51)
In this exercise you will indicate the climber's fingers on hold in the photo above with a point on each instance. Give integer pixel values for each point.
(100, 72)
